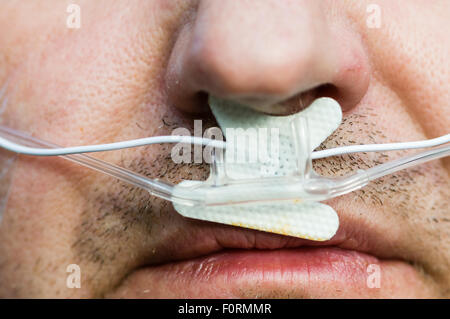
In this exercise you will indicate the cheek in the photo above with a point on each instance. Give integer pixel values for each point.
(43, 190)
(36, 231)
(409, 55)
(86, 86)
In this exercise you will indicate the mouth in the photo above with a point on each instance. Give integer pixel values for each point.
(220, 261)
(254, 274)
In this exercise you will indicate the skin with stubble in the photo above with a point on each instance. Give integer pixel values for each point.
(145, 67)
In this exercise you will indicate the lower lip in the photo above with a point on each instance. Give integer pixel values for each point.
(303, 272)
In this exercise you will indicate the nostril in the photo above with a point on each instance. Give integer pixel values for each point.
(290, 106)
(296, 103)
(329, 90)
(302, 100)
(201, 100)
(348, 98)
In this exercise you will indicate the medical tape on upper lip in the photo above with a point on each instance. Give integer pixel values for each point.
(309, 220)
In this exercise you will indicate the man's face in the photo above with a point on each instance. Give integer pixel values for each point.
(143, 68)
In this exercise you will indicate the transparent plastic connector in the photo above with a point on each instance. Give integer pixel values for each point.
(222, 189)
(302, 185)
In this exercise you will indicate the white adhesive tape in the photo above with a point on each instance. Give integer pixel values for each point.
(310, 220)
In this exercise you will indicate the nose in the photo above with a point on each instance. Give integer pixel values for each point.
(273, 56)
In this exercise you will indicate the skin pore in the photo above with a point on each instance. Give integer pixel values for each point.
(130, 72)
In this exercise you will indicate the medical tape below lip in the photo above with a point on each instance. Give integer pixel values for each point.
(309, 220)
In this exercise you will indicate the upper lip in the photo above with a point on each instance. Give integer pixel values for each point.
(198, 238)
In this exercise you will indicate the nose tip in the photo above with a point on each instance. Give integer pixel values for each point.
(222, 71)
(265, 58)
(248, 71)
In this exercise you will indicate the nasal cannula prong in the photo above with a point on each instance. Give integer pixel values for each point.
(316, 189)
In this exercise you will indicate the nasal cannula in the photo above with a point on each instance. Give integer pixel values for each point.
(295, 187)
